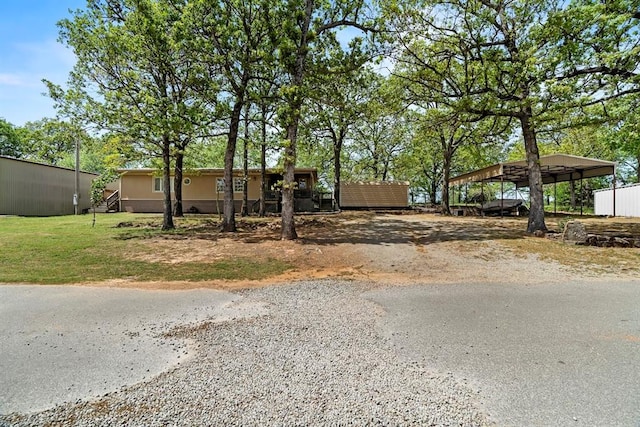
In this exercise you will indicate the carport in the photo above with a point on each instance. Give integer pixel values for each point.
(555, 168)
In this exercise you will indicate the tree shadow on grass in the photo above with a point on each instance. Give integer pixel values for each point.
(349, 229)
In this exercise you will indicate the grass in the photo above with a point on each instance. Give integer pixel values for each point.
(585, 258)
(66, 249)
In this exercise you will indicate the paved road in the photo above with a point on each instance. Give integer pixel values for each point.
(539, 355)
(63, 343)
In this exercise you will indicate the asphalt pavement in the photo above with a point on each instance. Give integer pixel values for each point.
(538, 355)
(63, 343)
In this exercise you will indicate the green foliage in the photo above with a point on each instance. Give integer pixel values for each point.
(51, 140)
(99, 185)
(10, 144)
(539, 62)
(622, 135)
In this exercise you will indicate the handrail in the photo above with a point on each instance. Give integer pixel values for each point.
(113, 199)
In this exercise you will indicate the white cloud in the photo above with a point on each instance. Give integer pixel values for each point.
(8, 79)
(21, 72)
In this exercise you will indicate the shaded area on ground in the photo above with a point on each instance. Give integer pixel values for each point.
(390, 246)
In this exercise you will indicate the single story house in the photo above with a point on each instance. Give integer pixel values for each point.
(34, 189)
(141, 190)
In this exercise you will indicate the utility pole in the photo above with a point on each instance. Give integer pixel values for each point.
(76, 194)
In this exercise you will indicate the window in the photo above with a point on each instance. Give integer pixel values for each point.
(238, 185)
(158, 186)
(186, 181)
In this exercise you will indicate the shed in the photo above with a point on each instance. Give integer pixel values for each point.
(374, 195)
(34, 189)
(626, 199)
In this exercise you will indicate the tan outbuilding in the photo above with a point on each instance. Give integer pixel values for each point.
(374, 195)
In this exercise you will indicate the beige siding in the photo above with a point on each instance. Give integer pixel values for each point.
(374, 195)
(137, 192)
(32, 189)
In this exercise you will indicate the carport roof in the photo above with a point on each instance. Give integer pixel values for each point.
(554, 167)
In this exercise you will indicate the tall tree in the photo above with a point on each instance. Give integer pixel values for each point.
(134, 76)
(308, 29)
(336, 105)
(531, 60)
(234, 36)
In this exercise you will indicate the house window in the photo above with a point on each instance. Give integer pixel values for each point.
(238, 185)
(158, 184)
(187, 181)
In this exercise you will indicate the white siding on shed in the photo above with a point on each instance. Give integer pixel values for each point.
(627, 201)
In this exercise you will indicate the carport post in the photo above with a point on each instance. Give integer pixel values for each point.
(581, 193)
(482, 197)
(614, 192)
(555, 194)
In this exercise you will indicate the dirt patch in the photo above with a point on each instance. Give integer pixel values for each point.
(396, 248)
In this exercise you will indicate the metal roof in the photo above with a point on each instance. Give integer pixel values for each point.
(554, 168)
(211, 171)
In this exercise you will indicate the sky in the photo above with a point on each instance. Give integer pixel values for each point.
(30, 52)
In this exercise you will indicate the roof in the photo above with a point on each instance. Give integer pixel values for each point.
(405, 183)
(44, 164)
(209, 171)
(554, 168)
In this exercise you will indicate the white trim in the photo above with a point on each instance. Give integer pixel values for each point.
(237, 181)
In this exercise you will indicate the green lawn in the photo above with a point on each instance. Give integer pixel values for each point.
(67, 249)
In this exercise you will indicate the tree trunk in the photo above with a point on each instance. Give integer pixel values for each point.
(245, 164)
(167, 217)
(337, 166)
(433, 190)
(288, 231)
(638, 169)
(295, 101)
(536, 196)
(572, 192)
(263, 164)
(446, 173)
(177, 183)
(229, 211)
